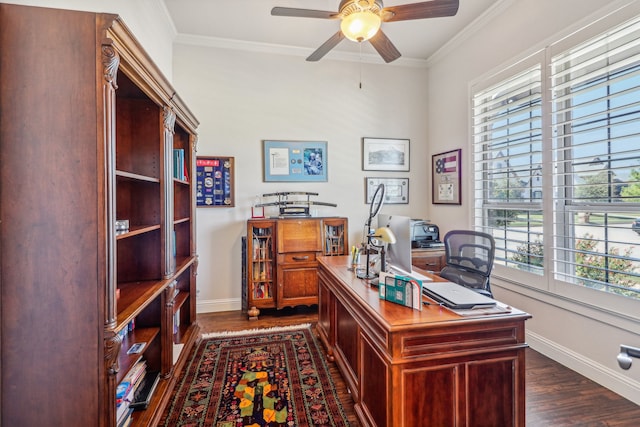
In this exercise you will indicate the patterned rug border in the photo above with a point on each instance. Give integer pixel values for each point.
(313, 413)
(243, 332)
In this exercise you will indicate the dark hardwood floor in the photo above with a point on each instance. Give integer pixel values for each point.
(556, 396)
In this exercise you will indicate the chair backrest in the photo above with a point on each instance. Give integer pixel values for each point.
(470, 250)
(469, 259)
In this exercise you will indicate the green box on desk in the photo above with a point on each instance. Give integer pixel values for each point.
(401, 290)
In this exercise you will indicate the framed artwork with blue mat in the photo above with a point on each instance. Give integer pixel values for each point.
(295, 161)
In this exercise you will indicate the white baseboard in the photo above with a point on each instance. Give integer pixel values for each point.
(609, 378)
(213, 306)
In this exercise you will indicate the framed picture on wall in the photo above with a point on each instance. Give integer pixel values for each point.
(215, 182)
(385, 154)
(295, 161)
(446, 177)
(396, 190)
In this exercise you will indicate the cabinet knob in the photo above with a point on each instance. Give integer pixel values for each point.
(301, 258)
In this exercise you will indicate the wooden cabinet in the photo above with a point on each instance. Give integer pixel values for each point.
(88, 128)
(428, 259)
(432, 367)
(282, 259)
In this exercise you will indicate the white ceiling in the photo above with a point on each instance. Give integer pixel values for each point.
(250, 22)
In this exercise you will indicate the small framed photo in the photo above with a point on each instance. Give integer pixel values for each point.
(384, 154)
(295, 161)
(215, 182)
(396, 190)
(446, 177)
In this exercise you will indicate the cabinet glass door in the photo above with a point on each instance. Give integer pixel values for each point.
(335, 236)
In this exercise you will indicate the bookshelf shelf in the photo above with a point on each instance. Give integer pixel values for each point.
(180, 300)
(136, 177)
(139, 335)
(114, 249)
(134, 297)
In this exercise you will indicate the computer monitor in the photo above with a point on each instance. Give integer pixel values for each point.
(399, 253)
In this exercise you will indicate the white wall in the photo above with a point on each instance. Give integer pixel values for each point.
(243, 98)
(147, 19)
(582, 337)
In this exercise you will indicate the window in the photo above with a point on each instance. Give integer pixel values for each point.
(581, 139)
(596, 158)
(507, 120)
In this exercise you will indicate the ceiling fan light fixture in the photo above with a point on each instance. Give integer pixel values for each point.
(360, 26)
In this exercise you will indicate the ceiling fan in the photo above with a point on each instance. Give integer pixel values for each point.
(361, 21)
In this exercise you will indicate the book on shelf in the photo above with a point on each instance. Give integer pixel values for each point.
(145, 391)
(123, 409)
(126, 419)
(122, 390)
(136, 373)
(180, 166)
(176, 322)
(126, 392)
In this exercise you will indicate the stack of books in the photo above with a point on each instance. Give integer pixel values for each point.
(134, 392)
(180, 165)
(125, 393)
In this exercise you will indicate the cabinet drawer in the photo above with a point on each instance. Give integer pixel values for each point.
(430, 261)
(299, 235)
(297, 257)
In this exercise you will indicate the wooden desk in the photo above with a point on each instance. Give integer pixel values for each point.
(432, 367)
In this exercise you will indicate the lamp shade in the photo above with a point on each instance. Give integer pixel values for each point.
(360, 26)
(385, 234)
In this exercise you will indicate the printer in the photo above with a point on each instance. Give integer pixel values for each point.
(424, 235)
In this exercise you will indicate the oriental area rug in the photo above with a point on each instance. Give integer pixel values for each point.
(263, 377)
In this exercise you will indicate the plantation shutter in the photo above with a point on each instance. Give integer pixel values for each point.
(596, 152)
(507, 132)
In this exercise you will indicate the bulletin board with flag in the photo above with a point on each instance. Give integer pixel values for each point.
(446, 177)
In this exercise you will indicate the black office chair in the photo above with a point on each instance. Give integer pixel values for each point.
(469, 259)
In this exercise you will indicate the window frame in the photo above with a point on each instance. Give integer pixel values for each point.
(546, 283)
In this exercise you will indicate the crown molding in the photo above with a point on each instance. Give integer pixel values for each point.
(267, 48)
(467, 32)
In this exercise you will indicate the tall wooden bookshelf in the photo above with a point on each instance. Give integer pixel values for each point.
(88, 127)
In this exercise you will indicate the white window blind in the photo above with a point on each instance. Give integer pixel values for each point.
(507, 132)
(596, 151)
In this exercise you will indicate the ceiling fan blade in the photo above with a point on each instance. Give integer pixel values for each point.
(426, 9)
(385, 48)
(304, 13)
(326, 47)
